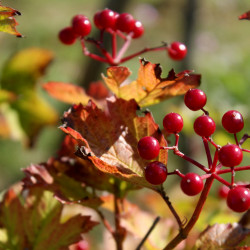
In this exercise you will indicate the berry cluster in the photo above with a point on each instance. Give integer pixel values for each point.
(117, 25)
(229, 156)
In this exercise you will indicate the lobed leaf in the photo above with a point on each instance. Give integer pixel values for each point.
(109, 138)
(149, 88)
(7, 22)
(32, 220)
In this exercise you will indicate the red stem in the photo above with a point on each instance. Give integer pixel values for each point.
(209, 158)
(228, 170)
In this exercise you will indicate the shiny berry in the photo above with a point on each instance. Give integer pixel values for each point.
(204, 126)
(173, 123)
(156, 172)
(148, 147)
(97, 21)
(177, 51)
(81, 25)
(238, 199)
(191, 184)
(233, 121)
(125, 22)
(67, 36)
(107, 19)
(138, 30)
(230, 155)
(195, 99)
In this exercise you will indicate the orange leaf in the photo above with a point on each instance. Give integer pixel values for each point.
(149, 88)
(7, 22)
(110, 137)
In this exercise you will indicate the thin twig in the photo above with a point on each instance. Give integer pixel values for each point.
(148, 233)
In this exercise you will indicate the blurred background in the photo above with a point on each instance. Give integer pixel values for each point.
(218, 49)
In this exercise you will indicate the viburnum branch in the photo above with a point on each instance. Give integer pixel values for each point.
(162, 193)
(209, 158)
(148, 233)
(104, 221)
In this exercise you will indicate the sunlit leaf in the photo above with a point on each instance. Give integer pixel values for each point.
(6, 96)
(20, 77)
(7, 22)
(33, 220)
(149, 88)
(109, 138)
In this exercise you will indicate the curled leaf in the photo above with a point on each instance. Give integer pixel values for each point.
(109, 138)
(149, 88)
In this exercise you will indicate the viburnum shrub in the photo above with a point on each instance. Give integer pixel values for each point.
(112, 146)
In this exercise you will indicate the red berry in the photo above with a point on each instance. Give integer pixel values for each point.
(97, 21)
(125, 22)
(148, 147)
(233, 121)
(81, 25)
(230, 155)
(67, 36)
(173, 123)
(107, 19)
(138, 30)
(223, 191)
(238, 199)
(195, 99)
(204, 126)
(191, 184)
(177, 50)
(156, 172)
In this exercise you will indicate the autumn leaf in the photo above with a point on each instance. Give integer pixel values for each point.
(109, 138)
(149, 88)
(7, 22)
(33, 219)
(19, 79)
(222, 236)
(245, 16)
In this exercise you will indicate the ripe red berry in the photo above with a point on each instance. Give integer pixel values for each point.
(67, 36)
(195, 99)
(107, 19)
(97, 21)
(191, 184)
(233, 121)
(81, 25)
(173, 123)
(223, 191)
(125, 22)
(138, 29)
(238, 199)
(156, 172)
(230, 155)
(148, 147)
(177, 51)
(204, 126)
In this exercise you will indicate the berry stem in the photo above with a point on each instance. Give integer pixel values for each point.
(228, 170)
(244, 138)
(209, 158)
(148, 233)
(185, 231)
(159, 48)
(114, 45)
(245, 150)
(105, 222)
(218, 178)
(162, 193)
(177, 172)
(232, 176)
(236, 139)
(123, 49)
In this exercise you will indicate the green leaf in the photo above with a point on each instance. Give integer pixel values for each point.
(7, 22)
(33, 219)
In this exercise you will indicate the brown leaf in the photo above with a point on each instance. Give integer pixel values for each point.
(109, 138)
(149, 88)
(222, 236)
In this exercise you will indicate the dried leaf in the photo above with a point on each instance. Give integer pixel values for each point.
(109, 138)
(222, 236)
(32, 220)
(245, 16)
(7, 22)
(149, 88)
